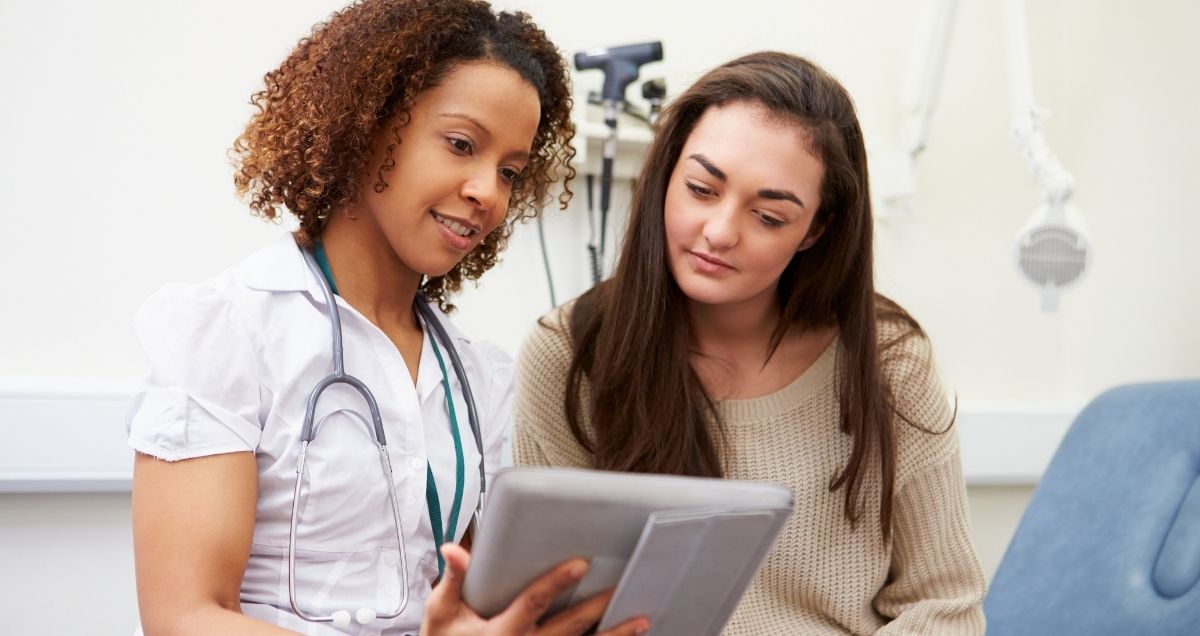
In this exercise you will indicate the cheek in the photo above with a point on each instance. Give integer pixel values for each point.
(676, 224)
(773, 256)
(496, 219)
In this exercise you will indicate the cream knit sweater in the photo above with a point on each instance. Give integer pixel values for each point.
(822, 576)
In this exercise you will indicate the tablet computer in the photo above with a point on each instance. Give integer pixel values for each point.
(679, 550)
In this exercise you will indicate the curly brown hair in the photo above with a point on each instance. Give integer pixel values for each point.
(305, 149)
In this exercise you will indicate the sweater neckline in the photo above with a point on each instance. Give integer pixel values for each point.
(772, 404)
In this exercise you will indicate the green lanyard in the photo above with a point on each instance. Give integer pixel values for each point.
(431, 494)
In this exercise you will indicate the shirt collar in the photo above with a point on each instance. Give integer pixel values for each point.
(280, 267)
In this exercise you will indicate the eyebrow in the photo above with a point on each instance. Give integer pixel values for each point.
(781, 195)
(772, 194)
(474, 122)
(708, 165)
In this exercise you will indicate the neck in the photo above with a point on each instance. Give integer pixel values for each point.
(738, 331)
(369, 275)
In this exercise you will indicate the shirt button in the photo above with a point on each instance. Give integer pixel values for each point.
(390, 558)
(416, 463)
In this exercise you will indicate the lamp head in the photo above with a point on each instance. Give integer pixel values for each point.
(620, 65)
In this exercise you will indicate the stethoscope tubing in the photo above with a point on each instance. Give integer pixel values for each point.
(308, 433)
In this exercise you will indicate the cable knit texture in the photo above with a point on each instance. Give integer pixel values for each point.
(822, 576)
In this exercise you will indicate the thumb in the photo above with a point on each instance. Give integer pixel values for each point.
(457, 559)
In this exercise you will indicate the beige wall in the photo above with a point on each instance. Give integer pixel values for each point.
(995, 513)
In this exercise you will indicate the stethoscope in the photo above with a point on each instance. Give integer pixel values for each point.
(364, 615)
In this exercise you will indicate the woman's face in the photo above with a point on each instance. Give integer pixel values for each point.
(467, 141)
(740, 204)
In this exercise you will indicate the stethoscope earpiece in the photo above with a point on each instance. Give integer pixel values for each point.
(364, 615)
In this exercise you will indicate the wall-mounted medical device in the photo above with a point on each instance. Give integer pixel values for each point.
(1052, 248)
(621, 65)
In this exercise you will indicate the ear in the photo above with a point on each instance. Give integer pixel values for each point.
(814, 233)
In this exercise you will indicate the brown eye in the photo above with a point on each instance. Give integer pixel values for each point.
(461, 146)
(510, 176)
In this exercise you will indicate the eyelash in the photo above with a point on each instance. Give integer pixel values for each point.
(697, 190)
(461, 146)
(769, 221)
(702, 192)
(512, 177)
(465, 147)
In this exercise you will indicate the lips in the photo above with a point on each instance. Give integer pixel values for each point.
(456, 233)
(711, 260)
(457, 226)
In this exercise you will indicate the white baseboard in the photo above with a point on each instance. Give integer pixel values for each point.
(68, 435)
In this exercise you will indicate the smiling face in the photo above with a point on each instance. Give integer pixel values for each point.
(466, 143)
(739, 205)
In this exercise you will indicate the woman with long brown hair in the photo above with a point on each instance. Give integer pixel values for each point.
(407, 137)
(741, 336)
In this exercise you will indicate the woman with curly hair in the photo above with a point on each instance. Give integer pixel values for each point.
(407, 136)
(761, 351)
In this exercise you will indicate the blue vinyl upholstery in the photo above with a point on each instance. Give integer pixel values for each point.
(1110, 542)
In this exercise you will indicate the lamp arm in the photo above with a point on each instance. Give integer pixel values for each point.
(1047, 171)
(926, 65)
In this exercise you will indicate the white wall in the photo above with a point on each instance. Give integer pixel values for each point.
(115, 119)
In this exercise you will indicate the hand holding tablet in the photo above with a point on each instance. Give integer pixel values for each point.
(678, 550)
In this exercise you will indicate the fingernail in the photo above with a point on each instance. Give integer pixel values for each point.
(642, 628)
(577, 570)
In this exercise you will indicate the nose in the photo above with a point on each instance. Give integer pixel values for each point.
(482, 189)
(721, 229)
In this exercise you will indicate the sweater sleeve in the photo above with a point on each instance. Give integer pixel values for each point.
(541, 434)
(935, 584)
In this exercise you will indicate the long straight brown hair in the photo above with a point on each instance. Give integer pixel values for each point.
(648, 409)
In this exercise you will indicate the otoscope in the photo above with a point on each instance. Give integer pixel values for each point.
(620, 65)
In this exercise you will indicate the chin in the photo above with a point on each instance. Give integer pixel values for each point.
(437, 271)
(434, 265)
(706, 292)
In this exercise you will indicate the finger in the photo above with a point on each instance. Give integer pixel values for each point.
(446, 599)
(578, 618)
(632, 627)
(451, 584)
(531, 603)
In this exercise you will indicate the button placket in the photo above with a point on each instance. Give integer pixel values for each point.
(405, 429)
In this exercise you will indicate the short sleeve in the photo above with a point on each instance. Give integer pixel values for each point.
(200, 393)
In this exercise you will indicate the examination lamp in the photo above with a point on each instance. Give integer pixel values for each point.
(1052, 248)
(620, 65)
